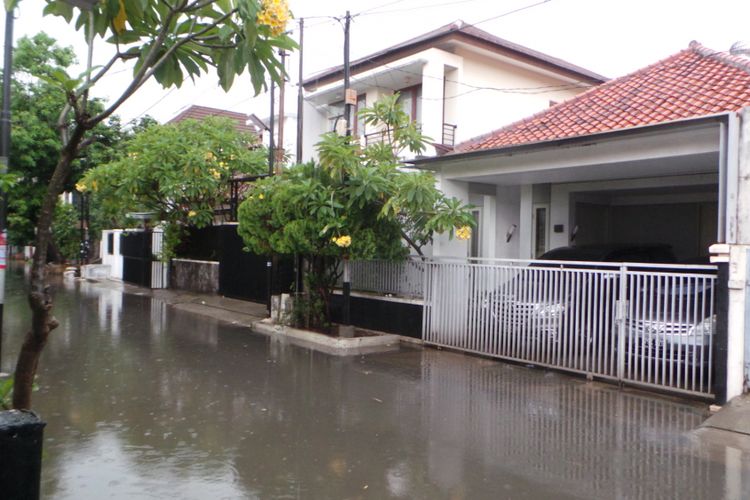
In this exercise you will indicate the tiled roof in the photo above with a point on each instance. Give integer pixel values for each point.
(202, 112)
(692, 83)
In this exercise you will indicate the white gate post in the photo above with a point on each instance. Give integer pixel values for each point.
(621, 322)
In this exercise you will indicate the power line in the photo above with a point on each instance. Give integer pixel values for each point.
(150, 107)
(418, 7)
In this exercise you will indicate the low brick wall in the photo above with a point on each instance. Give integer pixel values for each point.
(194, 275)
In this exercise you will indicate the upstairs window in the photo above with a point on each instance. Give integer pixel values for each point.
(336, 116)
(359, 123)
(410, 99)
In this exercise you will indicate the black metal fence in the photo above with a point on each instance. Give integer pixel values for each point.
(245, 275)
(137, 257)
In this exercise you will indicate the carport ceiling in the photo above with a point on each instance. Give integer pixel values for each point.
(704, 163)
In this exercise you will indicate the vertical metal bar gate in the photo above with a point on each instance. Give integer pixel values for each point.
(642, 324)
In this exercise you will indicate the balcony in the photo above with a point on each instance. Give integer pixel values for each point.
(448, 138)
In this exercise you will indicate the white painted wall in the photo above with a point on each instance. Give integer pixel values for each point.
(443, 246)
(481, 111)
(508, 214)
(115, 259)
(738, 218)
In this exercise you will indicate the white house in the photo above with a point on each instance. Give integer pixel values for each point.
(444, 78)
(657, 156)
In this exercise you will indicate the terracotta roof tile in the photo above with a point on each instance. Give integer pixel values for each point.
(694, 82)
(201, 112)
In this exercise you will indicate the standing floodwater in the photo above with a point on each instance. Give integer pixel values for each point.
(144, 401)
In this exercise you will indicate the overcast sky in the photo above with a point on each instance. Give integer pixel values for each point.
(606, 36)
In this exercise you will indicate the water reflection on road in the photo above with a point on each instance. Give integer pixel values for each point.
(143, 401)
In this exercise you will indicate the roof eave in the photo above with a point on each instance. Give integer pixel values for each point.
(334, 74)
(434, 162)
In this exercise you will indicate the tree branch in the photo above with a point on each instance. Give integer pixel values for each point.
(152, 64)
(411, 243)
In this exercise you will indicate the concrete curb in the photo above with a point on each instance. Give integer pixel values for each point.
(330, 345)
(236, 312)
(733, 416)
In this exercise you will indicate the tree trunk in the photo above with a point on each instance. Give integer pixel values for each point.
(40, 301)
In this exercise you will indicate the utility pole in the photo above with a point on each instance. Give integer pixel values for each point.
(347, 75)
(282, 96)
(4, 154)
(298, 262)
(300, 97)
(347, 330)
(271, 154)
(271, 124)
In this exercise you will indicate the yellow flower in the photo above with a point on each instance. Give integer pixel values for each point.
(260, 196)
(463, 233)
(192, 213)
(274, 14)
(119, 21)
(343, 241)
(209, 156)
(81, 187)
(223, 164)
(214, 173)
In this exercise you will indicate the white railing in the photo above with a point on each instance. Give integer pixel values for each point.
(404, 278)
(646, 324)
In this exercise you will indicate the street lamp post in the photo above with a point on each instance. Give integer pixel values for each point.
(4, 154)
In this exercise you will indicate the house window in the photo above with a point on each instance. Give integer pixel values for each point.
(410, 99)
(359, 123)
(475, 243)
(540, 223)
(336, 117)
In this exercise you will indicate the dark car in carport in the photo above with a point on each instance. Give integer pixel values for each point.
(530, 306)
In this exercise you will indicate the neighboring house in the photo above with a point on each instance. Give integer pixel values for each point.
(244, 123)
(636, 159)
(444, 77)
(652, 157)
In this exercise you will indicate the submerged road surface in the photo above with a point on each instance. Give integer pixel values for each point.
(143, 401)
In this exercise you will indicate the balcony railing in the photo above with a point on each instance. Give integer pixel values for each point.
(449, 134)
(448, 138)
(381, 136)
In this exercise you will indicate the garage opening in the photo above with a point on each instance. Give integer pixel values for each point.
(683, 217)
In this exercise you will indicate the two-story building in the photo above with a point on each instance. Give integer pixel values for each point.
(457, 82)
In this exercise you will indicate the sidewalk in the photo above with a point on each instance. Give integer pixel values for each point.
(253, 316)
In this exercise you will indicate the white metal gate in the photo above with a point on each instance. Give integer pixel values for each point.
(644, 324)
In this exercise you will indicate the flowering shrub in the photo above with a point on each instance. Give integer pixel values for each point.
(342, 241)
(463, 232)
(357, 204)
(181, 171)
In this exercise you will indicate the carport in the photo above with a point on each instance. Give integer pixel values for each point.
(650, 184)
(633, 322)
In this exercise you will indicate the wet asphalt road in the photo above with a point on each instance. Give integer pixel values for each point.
(144, 401)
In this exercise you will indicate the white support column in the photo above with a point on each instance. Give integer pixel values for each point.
(559, 216)
(432, 102)
(738, 220)
(488, 227)
(443, 246)
(525, 229)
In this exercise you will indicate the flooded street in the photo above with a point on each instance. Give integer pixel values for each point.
(144, 401)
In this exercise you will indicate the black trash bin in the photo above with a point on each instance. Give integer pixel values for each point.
(21, 437)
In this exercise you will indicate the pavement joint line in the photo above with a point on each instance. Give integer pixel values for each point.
(724, 429)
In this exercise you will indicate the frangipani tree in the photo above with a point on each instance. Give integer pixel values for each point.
(164, 40)
(179, 171)
(357, 203)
